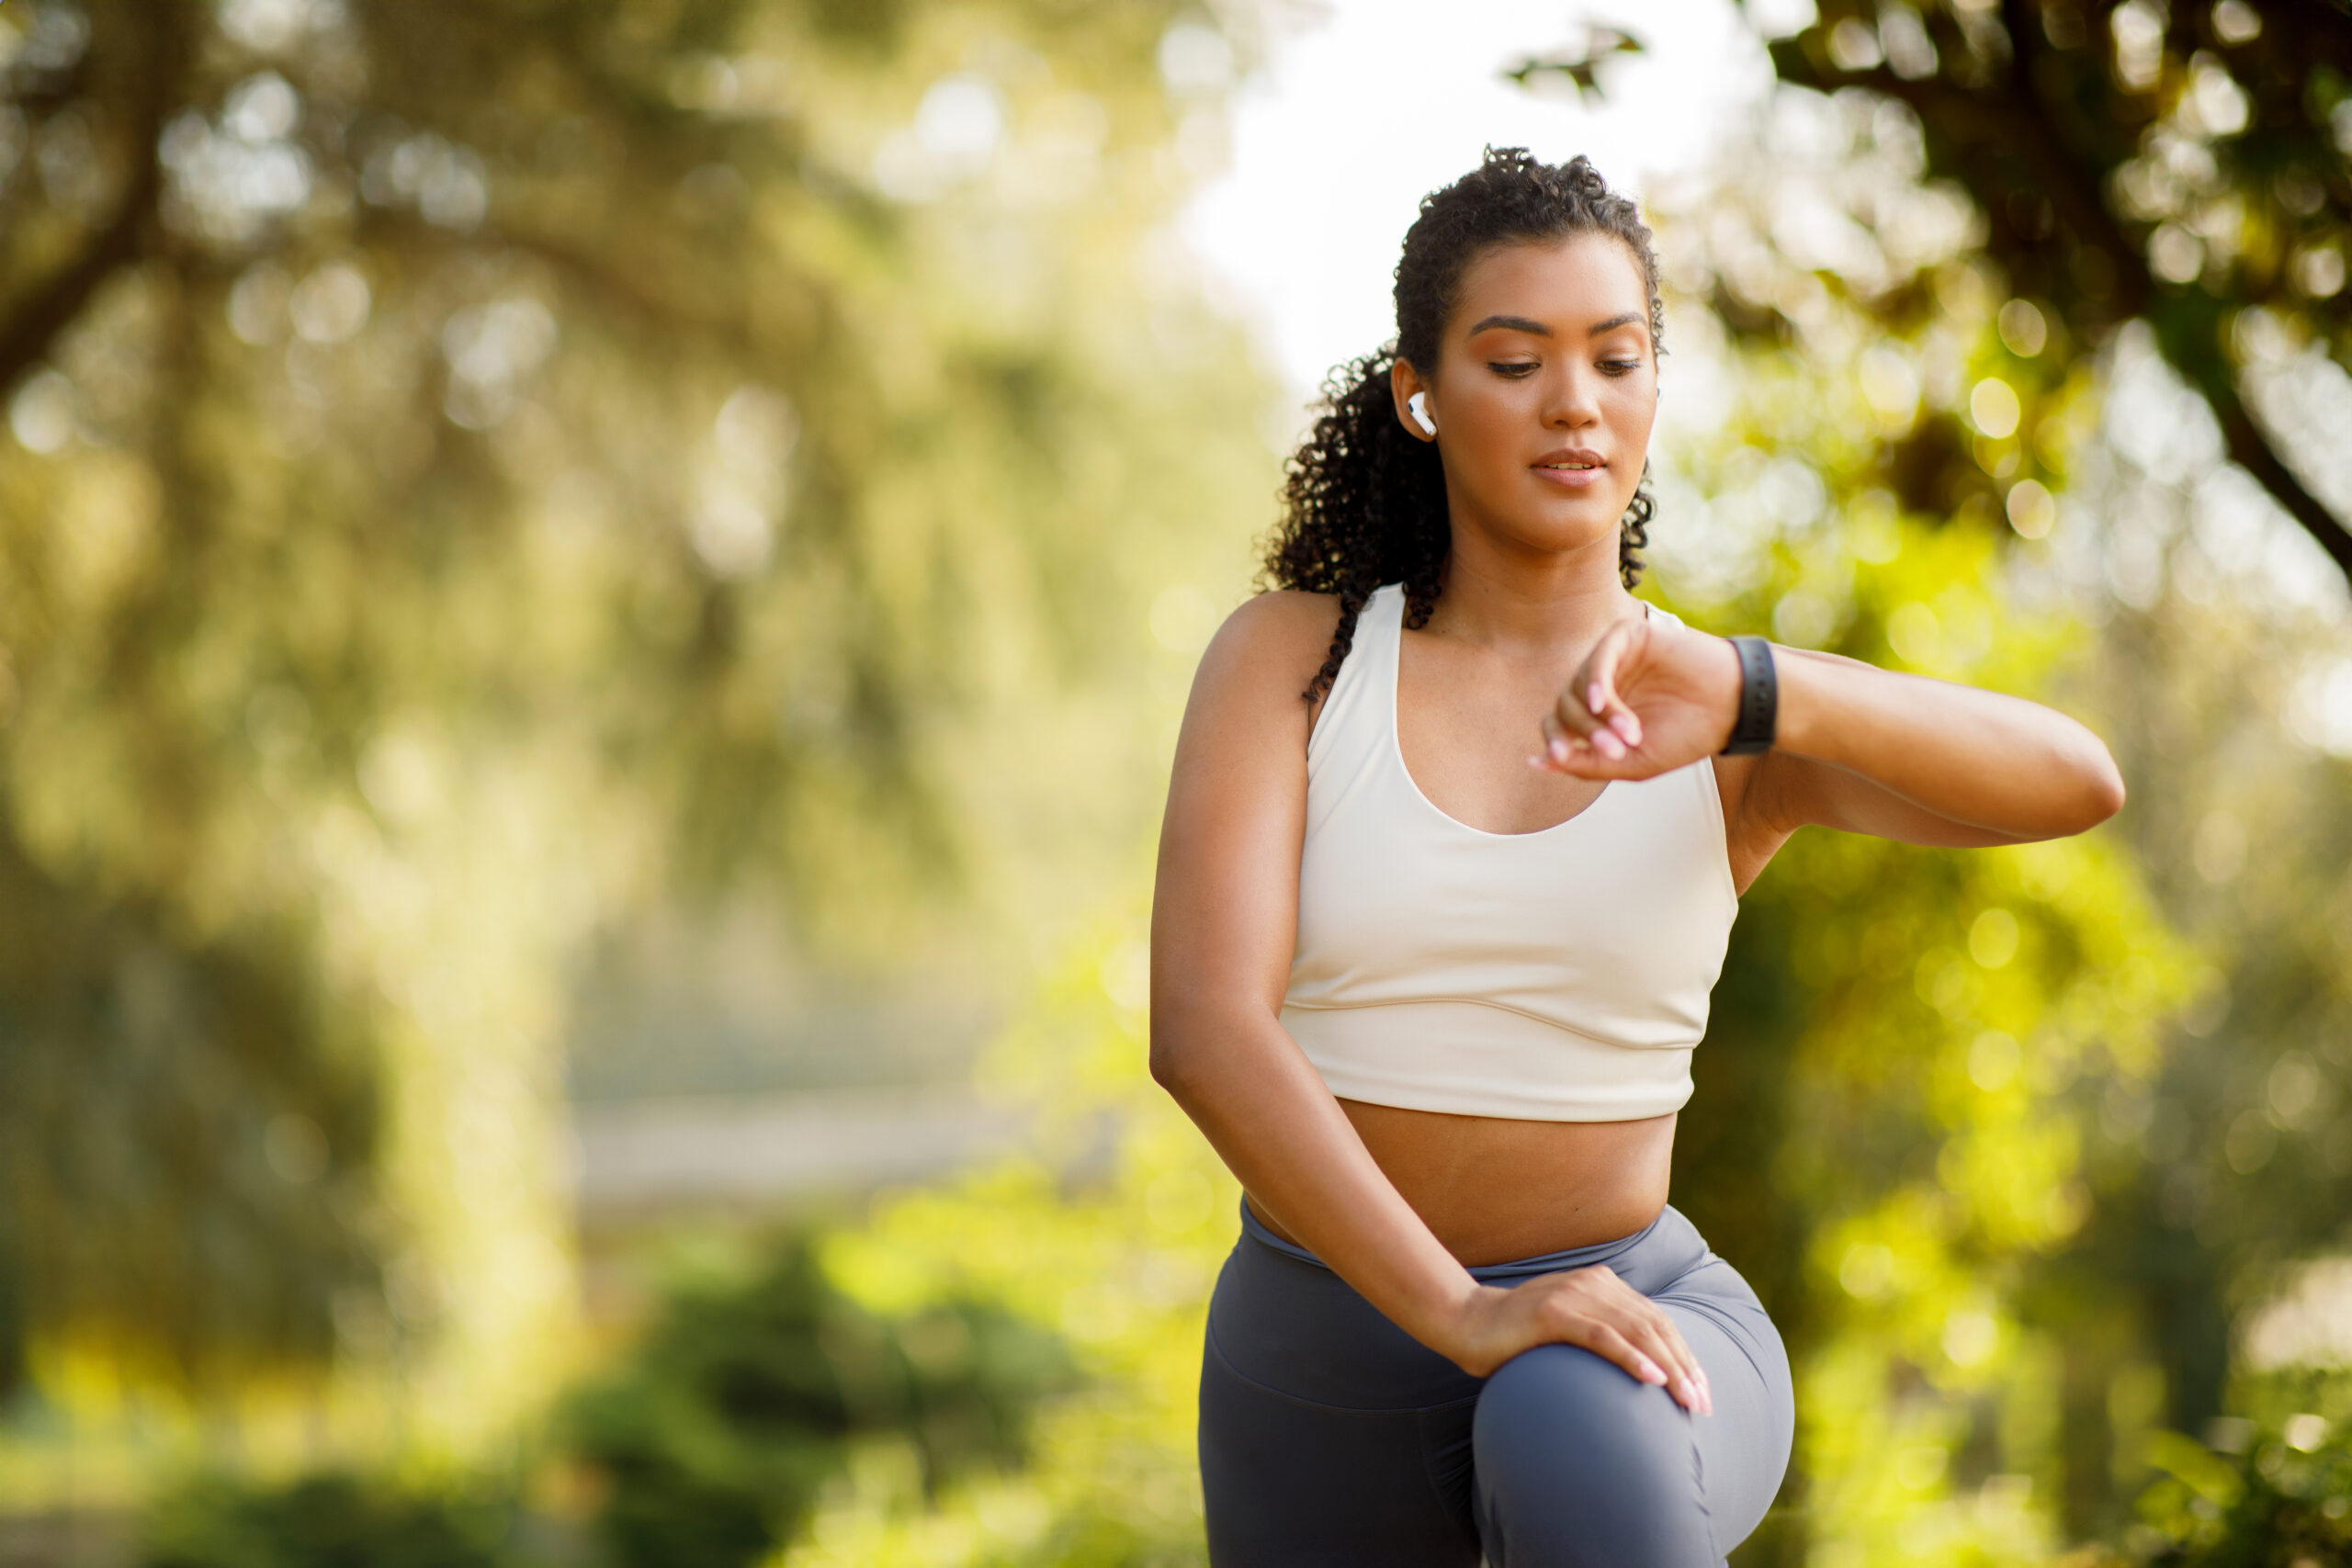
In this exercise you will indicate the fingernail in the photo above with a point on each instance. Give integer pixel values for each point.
(1592, 696)
(1651, 1373)
(1623, 723)
(1559, 750)
(1605, 741)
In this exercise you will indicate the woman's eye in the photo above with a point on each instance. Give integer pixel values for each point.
(1619, 366)
(1514, 368)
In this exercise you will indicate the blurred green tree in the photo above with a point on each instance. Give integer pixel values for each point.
(2051, 266)
(710, 1443)
(1895, 1129)
(471, 468)
(2173, 164)
(331, 1521)
(2124, 160)
(2284, 1495)
(2184, 166)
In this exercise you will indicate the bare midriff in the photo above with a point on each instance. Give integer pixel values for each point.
(1495, 1188)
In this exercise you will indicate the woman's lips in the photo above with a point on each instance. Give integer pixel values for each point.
(1571, 479)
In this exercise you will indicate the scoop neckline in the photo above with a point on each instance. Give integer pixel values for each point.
(1396, 749)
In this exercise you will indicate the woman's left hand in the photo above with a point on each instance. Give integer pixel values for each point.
(1650, 697)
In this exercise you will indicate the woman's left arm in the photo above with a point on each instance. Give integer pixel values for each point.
(1923, 761)
(1858, 747)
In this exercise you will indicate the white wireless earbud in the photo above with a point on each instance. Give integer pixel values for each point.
(1421, 413)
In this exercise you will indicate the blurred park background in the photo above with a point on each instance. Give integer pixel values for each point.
(594, 599)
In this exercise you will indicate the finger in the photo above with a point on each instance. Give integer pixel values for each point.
(1652, 1335)
(1691, 1379)
(1566, 750)
(1673, 1352)
(1584, 763)
(1690, 1364)
(1611, 710)
(1600, 694)
(1569, 716)
(1572, 756)
(1559, 745)
(1613, 729)
(1642, 1334)
(1579, 722)
(1651, 1332)
(1610, 1345)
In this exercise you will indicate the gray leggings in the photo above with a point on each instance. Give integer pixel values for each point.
(1330, 1436)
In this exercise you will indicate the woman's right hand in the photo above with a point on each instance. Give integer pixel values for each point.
(1589, 1307)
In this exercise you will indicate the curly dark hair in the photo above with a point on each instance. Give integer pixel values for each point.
(1364, 502)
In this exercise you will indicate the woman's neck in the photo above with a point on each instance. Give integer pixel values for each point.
(1515, 600)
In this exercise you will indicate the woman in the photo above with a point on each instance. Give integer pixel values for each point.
(1433, 999)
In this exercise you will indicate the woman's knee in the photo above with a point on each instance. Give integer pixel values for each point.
(1578, 1462)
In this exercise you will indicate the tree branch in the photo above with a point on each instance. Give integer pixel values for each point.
(2014, 118)
(26, 336)
(30, 328)
(619, 294)
(2250, 449)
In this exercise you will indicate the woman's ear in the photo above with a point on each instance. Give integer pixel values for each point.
(1412, 399)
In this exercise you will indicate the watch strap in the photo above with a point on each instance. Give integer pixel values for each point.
(1760, 698)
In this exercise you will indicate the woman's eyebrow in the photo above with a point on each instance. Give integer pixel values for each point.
(1511, 323)
(1524, 324)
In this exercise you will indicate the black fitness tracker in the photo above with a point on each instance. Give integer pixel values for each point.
(1760, 698)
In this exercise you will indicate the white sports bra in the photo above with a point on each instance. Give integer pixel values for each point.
(1559, 975)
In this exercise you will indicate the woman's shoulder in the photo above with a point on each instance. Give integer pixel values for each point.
(1282, 618)
(1268, 651)
(1276, 630)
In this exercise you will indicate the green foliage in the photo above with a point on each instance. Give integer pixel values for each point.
(1112, 1226)
(2285, 1498)
(231, 1078)
(712, 1439)
(1904, 1128)
(2180, 165)
(1895, 1128)
(327, 1521)
(639, 462)
(1918, 283)
(473, 472)
(706, 1444)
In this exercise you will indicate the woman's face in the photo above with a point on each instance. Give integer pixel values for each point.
(1545, 391)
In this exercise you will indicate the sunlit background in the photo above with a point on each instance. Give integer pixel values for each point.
(593, 600)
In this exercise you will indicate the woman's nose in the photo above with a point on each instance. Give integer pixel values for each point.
(1574, 401)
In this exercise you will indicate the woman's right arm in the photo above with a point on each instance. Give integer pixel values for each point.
(1224, 923)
